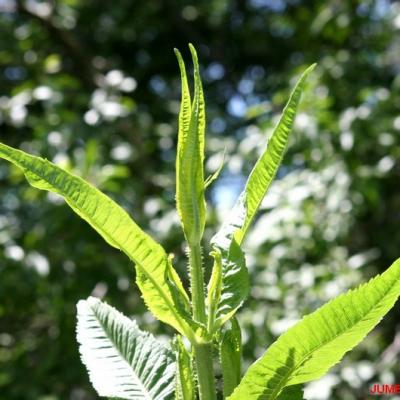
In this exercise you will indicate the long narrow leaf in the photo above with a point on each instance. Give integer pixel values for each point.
(118, 229)
(319, 341)
(123, 362)
(235, 280)
(184, 125)
(190, 155)
(268, 164)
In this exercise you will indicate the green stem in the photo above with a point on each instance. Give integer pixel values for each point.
(197, 284)
(203, 352)
(205, 371)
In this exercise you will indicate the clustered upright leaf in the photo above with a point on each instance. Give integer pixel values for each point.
(126, 363)
(190, 185)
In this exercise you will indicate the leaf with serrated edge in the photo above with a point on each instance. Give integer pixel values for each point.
(117, 228)
(122, 360)
(268, 164)
(235, 286)
(320, 340)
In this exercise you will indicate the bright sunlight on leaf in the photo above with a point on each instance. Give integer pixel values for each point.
(116, 227)
(126, 363)
(319, 341)
(122, 361)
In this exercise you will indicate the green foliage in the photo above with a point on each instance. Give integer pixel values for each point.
(160, 286)
(310, 348)
(315, 225)
(190, 184)
(305, 352)
(230, 269)
(122, 361)
(230, 352)
(235, 281)
(294, 392)
(267, 165)
(185, 388)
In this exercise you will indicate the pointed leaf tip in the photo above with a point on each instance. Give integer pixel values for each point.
(230, 236)
(194, 56)
(311, 67)
(177, 53)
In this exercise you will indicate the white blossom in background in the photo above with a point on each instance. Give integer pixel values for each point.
(106, 103)
(321, 389)
(38, 262)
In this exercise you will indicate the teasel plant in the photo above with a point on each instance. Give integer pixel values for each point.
(124, 362)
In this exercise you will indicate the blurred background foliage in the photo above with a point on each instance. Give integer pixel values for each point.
(94, 86)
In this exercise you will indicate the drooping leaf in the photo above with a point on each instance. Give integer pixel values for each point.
(123, 361)
(190, 155)
(159, 288)
(319, 341)
(235, 283)
(185, 386)
(230, 350)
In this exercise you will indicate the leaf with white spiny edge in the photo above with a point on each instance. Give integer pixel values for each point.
(235, 280)
(159, 283)
(123, 362)
(316, 343)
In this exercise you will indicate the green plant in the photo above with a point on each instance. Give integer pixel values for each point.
(126, 363)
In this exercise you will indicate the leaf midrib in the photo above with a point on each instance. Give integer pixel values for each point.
(144, 389)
